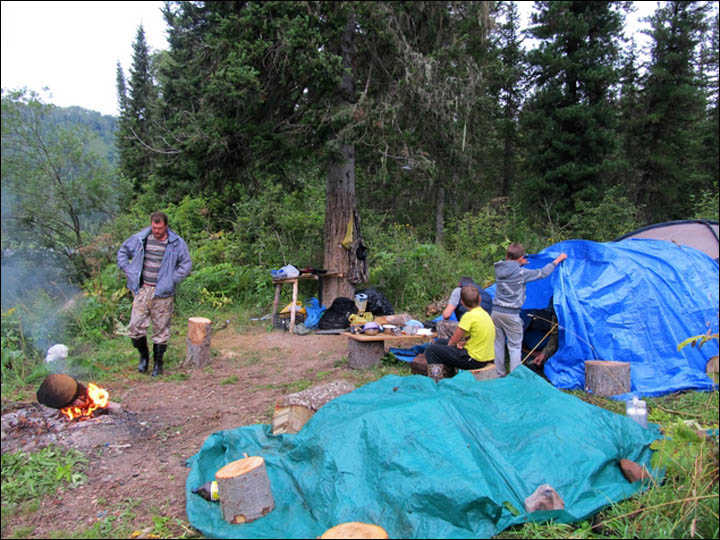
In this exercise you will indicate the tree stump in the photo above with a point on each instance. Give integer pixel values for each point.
(355, 529)
(440, 371)
(294, 410)
(364, 354)
(485, 373)
(198, 342)
(244, 489)
(605, 378)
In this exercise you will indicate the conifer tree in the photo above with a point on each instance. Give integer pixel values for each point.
(674, 102)
(570, 121)
(136, 104)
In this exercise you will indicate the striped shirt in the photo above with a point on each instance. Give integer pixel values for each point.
(154, 251)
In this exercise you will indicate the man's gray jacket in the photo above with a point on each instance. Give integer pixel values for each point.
(510, 280)
(175, 266)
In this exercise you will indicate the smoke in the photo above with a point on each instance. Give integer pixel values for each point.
(35, 282)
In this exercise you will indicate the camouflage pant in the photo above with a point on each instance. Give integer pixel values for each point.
(145, 309)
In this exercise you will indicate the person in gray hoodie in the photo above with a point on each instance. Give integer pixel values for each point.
(510, 280)
(155, 260)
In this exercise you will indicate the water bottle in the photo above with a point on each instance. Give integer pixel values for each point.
(637, 410)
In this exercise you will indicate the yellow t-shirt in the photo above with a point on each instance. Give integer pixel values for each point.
(480, 345)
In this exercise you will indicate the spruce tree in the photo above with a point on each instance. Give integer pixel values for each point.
(674, 102)
(570, 122)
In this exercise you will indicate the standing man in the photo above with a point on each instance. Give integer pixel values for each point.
(155, 261)
(510, 280)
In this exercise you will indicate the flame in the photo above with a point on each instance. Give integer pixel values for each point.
(97, 398)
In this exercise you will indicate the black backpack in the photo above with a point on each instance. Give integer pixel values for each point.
(336, 316)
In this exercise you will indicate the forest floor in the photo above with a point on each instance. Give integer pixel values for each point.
(137, 487)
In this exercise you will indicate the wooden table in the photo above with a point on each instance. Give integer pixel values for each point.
(294, 282)
(366, 351)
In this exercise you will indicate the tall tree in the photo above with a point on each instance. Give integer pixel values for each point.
(56, 189)
(136, 104)
(570, 121)
(508, 87)
(675, 110)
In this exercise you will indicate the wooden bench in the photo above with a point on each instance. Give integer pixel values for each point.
(365, 352)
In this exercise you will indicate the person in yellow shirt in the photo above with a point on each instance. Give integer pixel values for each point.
(472, 344)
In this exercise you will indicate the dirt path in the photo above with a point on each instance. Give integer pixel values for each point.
(145, 477)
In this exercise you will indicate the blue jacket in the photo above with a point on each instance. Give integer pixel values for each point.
(175, 266)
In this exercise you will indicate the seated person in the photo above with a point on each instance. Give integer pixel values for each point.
(544, 323)
(455, 305)
(472, 344)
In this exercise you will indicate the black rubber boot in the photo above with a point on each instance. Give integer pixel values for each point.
(141, 345)
(158, 352)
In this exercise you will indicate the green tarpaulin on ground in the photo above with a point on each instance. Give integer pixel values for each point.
(456, 459)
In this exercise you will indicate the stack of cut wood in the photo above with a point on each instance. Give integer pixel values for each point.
(294, 410)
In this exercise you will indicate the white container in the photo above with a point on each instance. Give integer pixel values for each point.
(637, 410)
(361, 302)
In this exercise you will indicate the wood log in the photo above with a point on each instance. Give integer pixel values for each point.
(294, 410)
(485, 373)
(364, 354)
(605, 378)
(355, 529)
(440, 371)
(198, 342)
(244, 488)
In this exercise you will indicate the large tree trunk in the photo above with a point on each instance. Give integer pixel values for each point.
(440, 213)
(340, 193)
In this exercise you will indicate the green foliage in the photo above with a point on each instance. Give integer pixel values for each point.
(27, 476)
(612, 216)
(218, 285)
(707, 205)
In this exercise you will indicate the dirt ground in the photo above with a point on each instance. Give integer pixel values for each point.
(249, 371)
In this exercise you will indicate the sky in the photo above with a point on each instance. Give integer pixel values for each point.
(73, 47)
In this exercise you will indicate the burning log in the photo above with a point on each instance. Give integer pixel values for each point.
(294, 410)
(198, 342)
(74, 399)
(244, 489)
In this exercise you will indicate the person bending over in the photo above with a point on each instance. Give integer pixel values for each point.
(471, 346)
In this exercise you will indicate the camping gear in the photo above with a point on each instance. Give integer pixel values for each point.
(371, 329)
(629, 301)
(336, 316)
(377, 304)
(361, 302)
(456, 459)
(700, 234)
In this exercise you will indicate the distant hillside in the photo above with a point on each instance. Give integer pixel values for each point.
(102, 124)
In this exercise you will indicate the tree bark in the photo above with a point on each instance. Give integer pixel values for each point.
(605, 378)
(198, 342)
(244, 488)
(340, 189)
(294, 410)
(440, 214)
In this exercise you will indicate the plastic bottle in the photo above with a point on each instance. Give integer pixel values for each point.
(208, 491)
(637, 410)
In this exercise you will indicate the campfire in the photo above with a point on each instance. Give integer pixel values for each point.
(74, 399)
(94, 398)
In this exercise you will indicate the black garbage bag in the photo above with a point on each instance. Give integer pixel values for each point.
(377, 304)
(336, 316)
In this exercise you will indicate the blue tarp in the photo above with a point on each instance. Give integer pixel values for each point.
(456, 459)
(629, 301)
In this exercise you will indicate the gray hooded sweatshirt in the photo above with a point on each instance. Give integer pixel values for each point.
(510, 280)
